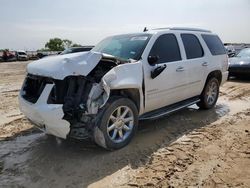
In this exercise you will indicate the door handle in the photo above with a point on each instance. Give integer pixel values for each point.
(180, 69)
(205, 64)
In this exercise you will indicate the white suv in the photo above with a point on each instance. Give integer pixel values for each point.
(103, 93)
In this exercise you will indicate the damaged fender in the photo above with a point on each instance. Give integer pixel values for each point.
(120, 77)
(125, 76)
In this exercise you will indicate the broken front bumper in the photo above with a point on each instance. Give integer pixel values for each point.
(48, 117)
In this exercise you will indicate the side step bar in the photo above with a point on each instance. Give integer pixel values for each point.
(169, 109)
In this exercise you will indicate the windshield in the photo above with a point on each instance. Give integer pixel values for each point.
(21, 53)
(126, 47)
(244, 53)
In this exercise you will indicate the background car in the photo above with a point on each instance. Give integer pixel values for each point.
(22, 56)
(8, 56)
(77, 49)
(40, 55)
(240, 64)
(230, 50)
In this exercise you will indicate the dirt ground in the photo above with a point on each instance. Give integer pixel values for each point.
(190, 148)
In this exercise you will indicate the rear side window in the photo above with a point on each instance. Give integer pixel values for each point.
(214, 44)
(167, 48)
(192, 46)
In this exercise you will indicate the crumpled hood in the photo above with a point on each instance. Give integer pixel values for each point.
(60, 66)
(237, 61)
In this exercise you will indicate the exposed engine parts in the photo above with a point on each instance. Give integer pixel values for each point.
(81, 96)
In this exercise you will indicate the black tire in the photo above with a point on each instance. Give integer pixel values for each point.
(101, 135)
(204, 104)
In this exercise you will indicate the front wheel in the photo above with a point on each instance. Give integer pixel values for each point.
(117, 125)
(210, 94)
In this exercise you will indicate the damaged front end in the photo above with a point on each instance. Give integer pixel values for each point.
(67, 105)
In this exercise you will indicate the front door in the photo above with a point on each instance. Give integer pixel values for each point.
(169, 86)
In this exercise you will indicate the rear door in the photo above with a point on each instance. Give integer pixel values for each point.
(196, 63)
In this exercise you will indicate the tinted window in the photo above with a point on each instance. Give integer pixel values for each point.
(192, 46)
(167, 48)
(214, 44)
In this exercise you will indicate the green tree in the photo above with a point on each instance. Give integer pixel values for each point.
(55, 44)
(67, 43)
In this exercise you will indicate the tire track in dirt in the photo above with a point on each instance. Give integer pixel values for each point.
(194, 159)
(19, 126)
(236, 90)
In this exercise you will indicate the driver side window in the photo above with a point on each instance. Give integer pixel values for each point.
(166, 48)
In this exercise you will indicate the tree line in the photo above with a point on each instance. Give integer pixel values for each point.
(57, 44)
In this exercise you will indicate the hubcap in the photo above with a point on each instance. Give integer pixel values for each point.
(212, 93)
(120, 124)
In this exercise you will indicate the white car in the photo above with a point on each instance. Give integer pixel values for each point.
(22, 56)
(103, 93)
(230, 50)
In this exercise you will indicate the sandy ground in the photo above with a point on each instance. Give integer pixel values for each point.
(190, 148)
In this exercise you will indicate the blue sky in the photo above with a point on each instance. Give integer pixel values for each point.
(28, 24)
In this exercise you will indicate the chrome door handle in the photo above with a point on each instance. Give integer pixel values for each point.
(180, 69)
(205, 64)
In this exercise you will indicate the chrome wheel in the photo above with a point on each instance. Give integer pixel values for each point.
(212, 93)
(120, 124)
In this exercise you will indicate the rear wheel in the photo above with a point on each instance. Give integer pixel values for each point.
(210, 94)
(117, 125)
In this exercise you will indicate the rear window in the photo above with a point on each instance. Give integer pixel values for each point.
(214, 44)
(192, 46)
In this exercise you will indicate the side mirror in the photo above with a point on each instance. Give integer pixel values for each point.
(152, 59)
(156, 72)
(232, 54)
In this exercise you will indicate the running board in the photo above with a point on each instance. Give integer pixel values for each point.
(169, 109)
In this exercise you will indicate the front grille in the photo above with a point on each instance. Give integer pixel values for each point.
(34, 86)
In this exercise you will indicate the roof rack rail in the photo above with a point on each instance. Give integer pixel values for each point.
(183, 29)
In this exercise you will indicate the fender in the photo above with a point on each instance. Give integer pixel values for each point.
(125, 76)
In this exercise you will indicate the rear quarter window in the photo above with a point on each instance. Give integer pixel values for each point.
(214, 44)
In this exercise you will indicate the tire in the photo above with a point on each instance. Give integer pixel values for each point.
(113, 131)
(210, 94)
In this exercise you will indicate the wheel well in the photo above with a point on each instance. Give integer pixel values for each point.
(215, 74)
(133, 94)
